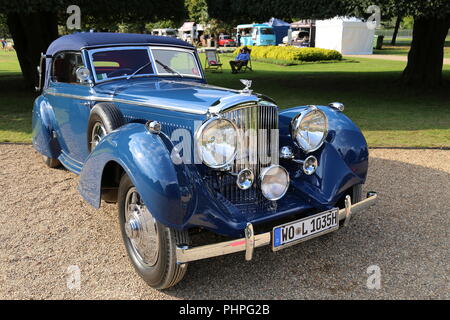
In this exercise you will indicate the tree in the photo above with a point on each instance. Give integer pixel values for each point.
(4, 31)
(197, 10)
(396, 27)
(431, 25)
(425, 58)
(33, 24)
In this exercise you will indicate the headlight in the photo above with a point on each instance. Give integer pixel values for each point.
(274, 182)
(217, 142)
(310, 129)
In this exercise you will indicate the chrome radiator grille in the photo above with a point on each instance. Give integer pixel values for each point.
(258, 148)
(258, 139)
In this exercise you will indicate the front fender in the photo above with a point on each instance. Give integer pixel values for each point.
(343, 158)
(145, 158)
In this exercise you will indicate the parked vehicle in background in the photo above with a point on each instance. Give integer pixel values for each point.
(226, 41)
(299, 39)
(133, 115)
(165, 32)
(256, 35)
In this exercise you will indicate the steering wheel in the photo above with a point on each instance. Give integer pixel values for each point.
(120, 72)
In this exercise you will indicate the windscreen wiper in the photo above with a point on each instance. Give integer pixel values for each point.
(138, 70)
(167, 68)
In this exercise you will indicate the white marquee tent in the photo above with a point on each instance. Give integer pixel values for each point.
(346, 35)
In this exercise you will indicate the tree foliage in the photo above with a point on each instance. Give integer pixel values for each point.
(262, 10)
(4, 31)
(34, 23)
(197, 10)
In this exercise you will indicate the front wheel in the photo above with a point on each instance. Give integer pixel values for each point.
(150, 245)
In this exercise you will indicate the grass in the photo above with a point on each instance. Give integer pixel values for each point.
(403, 50)
(402, 47)
(387, 114)
(15, 101)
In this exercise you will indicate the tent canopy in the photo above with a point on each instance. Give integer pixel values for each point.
(280, 28)
(346, 35)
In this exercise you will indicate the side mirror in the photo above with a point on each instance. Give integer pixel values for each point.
(83, 75)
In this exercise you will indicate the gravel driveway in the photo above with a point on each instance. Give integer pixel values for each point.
(45, 227)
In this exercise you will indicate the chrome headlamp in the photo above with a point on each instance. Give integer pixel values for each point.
(217, 141)
(274, 182)
(309, 129)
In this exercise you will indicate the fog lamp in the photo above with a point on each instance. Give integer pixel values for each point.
(245, 179)
(310, 165)
(274, 182)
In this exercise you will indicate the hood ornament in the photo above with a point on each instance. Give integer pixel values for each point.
(247, 84)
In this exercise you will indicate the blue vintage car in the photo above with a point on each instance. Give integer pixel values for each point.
(134, 117)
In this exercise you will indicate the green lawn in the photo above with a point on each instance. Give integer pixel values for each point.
(403, 50)
(387, 114)
(402, 47)
(15, 102)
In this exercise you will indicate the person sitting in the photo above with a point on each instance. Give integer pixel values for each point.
(240, 60)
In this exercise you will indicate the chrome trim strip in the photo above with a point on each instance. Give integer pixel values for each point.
(186, 254)
(111, 99)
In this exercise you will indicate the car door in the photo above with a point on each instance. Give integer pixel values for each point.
(70, 101)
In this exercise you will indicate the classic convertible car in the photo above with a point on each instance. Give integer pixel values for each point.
(134, 117)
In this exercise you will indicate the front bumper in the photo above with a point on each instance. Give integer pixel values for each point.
(252, 241)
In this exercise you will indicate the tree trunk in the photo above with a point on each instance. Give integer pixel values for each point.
(425, 58)
(32, 34)
(397, 26)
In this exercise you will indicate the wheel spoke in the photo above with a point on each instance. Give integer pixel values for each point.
(141, 228)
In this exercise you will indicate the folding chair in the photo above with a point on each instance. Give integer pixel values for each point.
(248, 65)
(212, 60)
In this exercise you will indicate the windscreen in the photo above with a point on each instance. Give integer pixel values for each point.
(174, 62)
(121, 62)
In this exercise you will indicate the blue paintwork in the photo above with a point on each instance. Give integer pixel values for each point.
(180, 196)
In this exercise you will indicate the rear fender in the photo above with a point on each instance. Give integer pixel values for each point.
(43, 121)
(145, 158)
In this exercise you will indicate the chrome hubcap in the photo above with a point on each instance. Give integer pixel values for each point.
(140, 228)
(98, 132)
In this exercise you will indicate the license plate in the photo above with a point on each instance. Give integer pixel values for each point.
(301, 230)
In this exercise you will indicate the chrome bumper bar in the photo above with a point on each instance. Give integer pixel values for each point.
(251, 241)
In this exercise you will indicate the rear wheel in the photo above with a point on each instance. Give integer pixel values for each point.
(104, 118)
(150, 245)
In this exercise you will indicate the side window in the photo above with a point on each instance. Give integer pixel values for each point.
(65, 65)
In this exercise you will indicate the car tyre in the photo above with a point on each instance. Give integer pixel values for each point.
(356, 193)
(51, 162)
(159, 268)
(104, 118)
